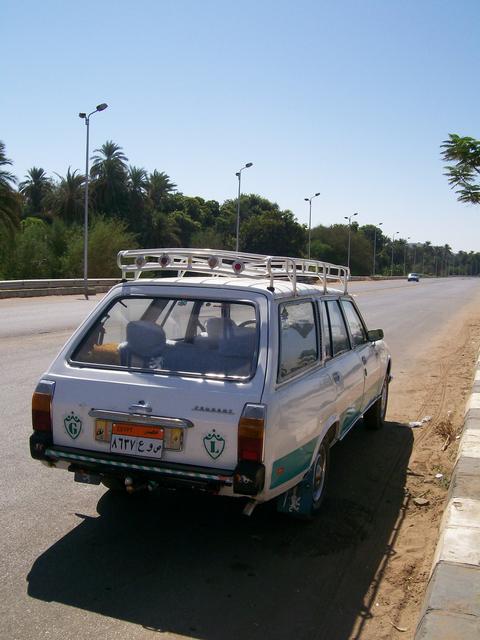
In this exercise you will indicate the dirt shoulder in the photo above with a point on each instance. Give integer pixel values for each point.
(433, 391)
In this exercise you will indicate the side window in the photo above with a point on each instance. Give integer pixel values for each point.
(326, 330)
(298, 338)
(338, 330)
(353, 320)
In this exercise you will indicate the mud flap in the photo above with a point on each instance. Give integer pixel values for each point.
(297, 501)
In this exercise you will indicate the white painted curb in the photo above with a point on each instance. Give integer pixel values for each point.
(451, 608)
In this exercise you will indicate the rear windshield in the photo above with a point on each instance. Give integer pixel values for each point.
(184, 336)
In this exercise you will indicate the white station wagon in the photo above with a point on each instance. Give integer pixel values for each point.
(234, 377)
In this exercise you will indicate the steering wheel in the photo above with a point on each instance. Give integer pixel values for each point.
(245, 323)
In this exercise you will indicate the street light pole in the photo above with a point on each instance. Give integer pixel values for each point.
(84, 116)
(375, 246)
(349, 218)
(405, 257)
(309, 200)
(239, 176)
(393, 241)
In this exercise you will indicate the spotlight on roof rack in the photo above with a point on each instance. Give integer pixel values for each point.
(238, 266)
(213, 262)
(140, 261)
(164, 260)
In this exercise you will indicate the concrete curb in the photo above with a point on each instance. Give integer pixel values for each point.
(451, 608)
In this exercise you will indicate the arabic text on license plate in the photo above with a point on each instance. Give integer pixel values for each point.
(136, 440)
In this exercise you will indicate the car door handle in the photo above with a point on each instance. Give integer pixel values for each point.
(364, 360)
(336, 377)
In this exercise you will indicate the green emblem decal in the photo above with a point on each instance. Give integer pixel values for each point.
(73, 425)
(214, 444)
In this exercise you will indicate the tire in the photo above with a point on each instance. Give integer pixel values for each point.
(304, 500)
(318, 477)
(374, 418)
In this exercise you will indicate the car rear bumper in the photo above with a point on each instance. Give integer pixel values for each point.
(41, 448)
(246, 479)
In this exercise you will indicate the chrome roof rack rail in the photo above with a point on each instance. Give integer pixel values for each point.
(231, 263)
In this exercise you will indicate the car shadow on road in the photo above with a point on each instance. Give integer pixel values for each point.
(193, 565)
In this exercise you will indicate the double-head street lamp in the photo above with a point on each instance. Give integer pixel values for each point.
(309, 200)
(84, 116)
(405, 257)
(379, 224)
(239, 176)
(393, 241)
(349, 218)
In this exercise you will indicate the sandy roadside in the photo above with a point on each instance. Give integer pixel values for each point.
(435, 388)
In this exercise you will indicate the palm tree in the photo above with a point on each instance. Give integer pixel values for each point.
(138, 217)
(137, 179)
(10, 200)
(109, 173)
(67, 197)
(35, 189)
(159, 186)
(464, 174)
(7, 179)
(426, 254)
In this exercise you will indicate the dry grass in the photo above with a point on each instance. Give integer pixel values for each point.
(447, 430)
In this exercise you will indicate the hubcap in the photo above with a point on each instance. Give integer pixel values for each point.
(319, 474)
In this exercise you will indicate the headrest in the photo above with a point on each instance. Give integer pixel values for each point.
(145, 339)
(219, 327)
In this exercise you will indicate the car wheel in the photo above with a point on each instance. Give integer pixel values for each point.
(318, 477)
(374, 418)
(305, 499)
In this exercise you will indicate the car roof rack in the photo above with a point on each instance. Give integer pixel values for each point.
(231, 263)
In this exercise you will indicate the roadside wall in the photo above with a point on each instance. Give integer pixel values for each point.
(451, 608)
(62, 287)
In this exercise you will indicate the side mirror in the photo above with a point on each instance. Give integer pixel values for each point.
(375, 334)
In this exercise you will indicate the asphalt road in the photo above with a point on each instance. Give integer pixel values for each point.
(79, 562)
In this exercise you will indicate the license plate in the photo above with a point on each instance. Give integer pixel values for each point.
(137, 440)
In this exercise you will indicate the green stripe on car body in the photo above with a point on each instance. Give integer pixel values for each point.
(292, 464)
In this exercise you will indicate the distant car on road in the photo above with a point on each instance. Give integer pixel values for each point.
(413, 277)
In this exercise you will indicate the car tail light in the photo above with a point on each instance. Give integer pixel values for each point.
(251, 433)
(42, 406)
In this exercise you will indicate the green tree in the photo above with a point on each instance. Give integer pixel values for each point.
(464, 175)
(105, 239)
(159, 187)
(35, 189)
(264, 228)
(66, 199)
(331, 245)
(109, 179)
(10, 200)
(33, 257)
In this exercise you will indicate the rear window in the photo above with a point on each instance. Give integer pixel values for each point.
(184, 336)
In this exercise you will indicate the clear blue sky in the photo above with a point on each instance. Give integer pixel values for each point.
(349, 98)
